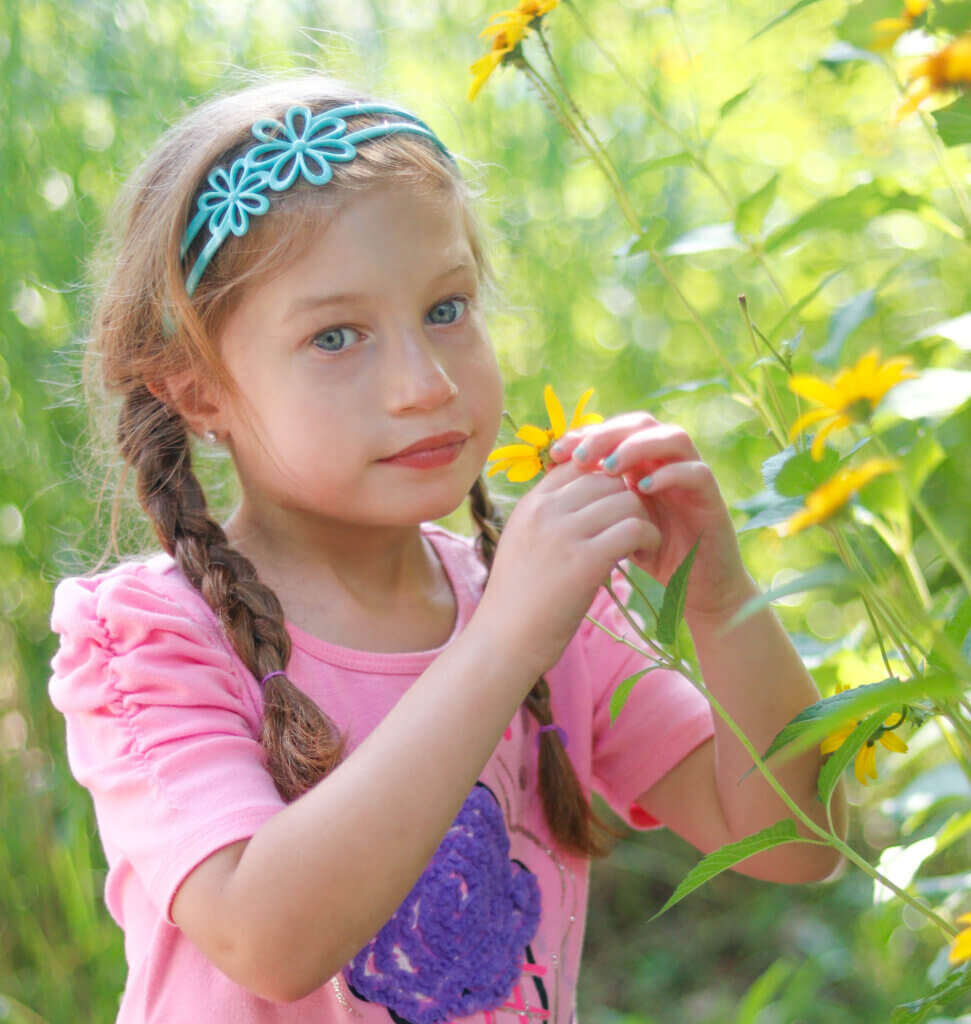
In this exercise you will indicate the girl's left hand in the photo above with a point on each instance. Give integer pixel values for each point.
(660, 463)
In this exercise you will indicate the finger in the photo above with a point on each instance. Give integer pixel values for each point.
(626, 538)
(602, 437)
(649, 448)
(692, 476)
(598, 515)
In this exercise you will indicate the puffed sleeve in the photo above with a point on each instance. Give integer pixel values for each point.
(663, 720)
(162, 725)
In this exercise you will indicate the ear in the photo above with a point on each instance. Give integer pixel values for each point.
(200, 403)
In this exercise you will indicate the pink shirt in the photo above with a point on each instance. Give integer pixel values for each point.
(162, 728)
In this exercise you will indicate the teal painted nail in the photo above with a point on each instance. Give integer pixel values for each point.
(645, 483)
(610, 462)
(580, 454)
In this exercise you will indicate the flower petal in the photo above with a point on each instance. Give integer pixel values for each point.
(523, 470)
(555, 411)
(500, 467)
(536, 436)
(807, 419)
(893, 742)
(578, 411)
(513, 451)
(816, 390)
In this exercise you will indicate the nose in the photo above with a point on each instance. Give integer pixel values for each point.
(415, 376)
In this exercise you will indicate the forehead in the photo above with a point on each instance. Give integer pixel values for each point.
(376, 241)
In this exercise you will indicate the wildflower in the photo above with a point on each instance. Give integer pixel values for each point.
(949, 68)
(507, 28)
(830, 497)
(521, 462)
(852, 397)
(887, 31)
(961, 949)
(865, 766)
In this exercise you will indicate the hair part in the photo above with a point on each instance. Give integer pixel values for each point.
(147, 330)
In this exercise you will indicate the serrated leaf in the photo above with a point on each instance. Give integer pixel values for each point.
(619, 697)
(819, 720)
(646, 596)
(843, 323)
(772, 513)
(815, 579)
(955, 984)
(850, 212)
(832, 770)
(954, 122)
(801, 473)
(675, 594)
(784, 16)
(728, 856)
(752, 210)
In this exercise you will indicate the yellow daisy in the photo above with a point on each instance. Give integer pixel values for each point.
(865, 765)
(853, 395)
(830, 497)
(949, 68)
(507, 29)
(887, 31)
(961, 949)
(521, 462)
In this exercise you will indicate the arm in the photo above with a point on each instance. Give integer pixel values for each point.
(283, 911)
(752, 670)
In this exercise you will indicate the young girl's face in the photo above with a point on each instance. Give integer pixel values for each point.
(368, 392)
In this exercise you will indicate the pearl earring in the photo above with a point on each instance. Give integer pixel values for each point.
(210, 437)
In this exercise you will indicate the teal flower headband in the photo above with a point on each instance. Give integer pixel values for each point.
(304, 146)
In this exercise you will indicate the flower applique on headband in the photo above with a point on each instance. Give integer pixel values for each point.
(304, 146)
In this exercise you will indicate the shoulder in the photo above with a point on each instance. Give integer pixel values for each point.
(129, 600)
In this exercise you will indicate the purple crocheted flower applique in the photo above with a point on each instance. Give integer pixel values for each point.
(457, 943)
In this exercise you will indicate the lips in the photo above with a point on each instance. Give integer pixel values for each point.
(430, 444)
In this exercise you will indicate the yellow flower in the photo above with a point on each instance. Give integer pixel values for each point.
(949, 68)
(887, 31)
(521, 462)
(865, 765)
(831, 496)
(961, 950)
(507, 29)
(853, 395)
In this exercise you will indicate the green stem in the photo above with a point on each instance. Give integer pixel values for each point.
(777, 427)
(950, 552)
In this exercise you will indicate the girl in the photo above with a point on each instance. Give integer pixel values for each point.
(341, 758)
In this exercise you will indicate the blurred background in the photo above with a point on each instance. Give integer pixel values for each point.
(88, 86)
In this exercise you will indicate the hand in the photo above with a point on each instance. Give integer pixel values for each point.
(560, 544)
(659, 462)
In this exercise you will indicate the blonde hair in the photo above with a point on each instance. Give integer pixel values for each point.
(147, 329)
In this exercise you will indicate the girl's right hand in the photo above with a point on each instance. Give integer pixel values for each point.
(560, 544)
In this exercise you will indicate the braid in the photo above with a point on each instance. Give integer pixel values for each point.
(566, 808)
(301, 743)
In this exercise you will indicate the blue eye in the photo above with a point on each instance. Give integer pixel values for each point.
(334, 339)
(447, 312)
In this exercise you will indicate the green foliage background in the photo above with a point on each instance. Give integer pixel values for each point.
(88, 86)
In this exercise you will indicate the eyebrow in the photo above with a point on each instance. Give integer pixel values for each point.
(308, 302)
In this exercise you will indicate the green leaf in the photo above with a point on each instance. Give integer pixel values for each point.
(936, 392)
(832, 770)
(850, 212)
(752, 210)
(801, 474)
(646, 595)
(660, 163)
(956, 983)
(650, 238)
(800, 305)
(819, 720)
(950, 16)
(707, 238)
(729, 105)
(770, 511)
(815, 579)
(619, 697)
(843, 323)
(763, 991)
(728, 856)
(675, 594)
(856, 27)
(954, 122)
(784, 16)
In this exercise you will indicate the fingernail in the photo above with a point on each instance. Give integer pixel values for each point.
(556, 448)
(580, 454)
(610, 462)
(645, 483)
